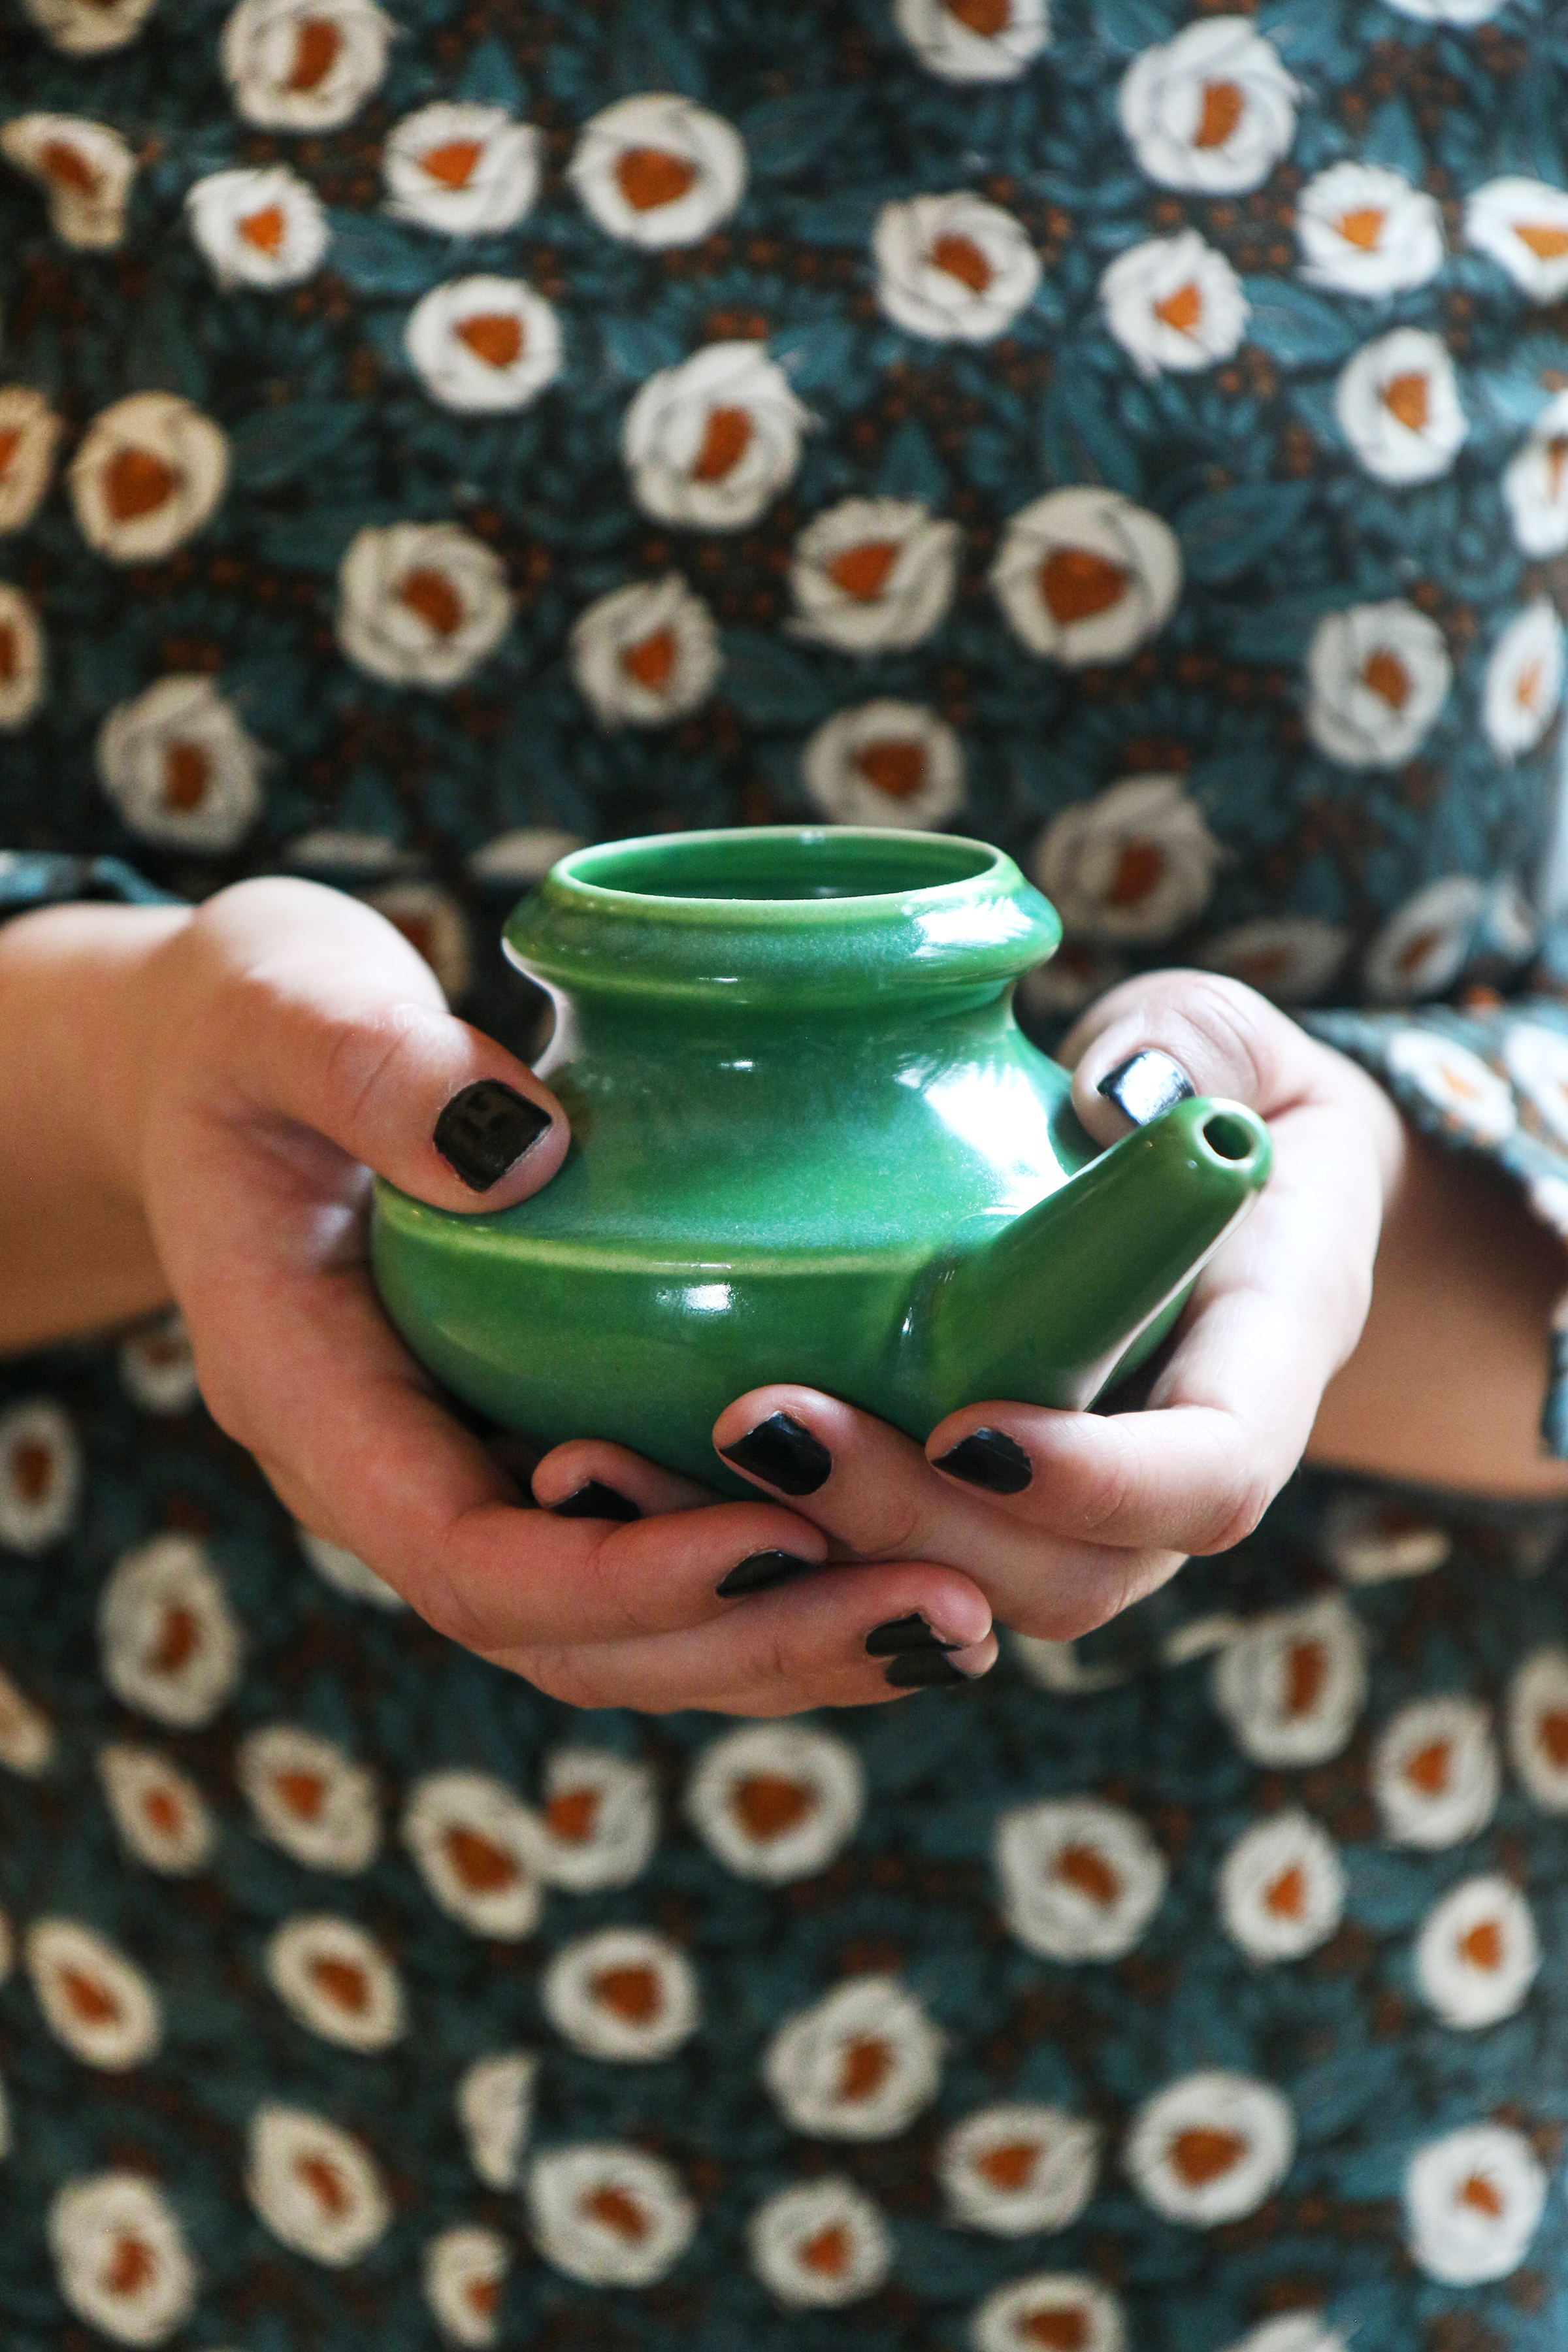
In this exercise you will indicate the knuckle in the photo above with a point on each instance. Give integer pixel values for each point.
(1228, 1027)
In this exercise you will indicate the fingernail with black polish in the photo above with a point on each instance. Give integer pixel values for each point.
(901, 1635)
(923, 1670)
(485, 1129)
(781, 1451)
(988, 1458)
(763, 1569)
(594, 1502)
(1146, 1085)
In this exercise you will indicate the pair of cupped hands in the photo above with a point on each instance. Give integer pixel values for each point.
(291, 1042)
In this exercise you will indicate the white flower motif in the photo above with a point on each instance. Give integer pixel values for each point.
(495, 2108)
(1081, 1878)
(1435, 1773)
(467, 171)
(1281, 1888)
(477, 1848)
(85, 28)
(147, 476)
(465, 2270)
(94, 2000)
(420, 604)
(1524, 680)
(170, 1645)
(711, 443)
(1210, 2148)
(1174, 302)
(975, 40)
(1136, 862)
(157, 1367)
(264, 227)
(885, 764)
(121, 2257)
(29, 431)
(1377, 676)
(22, 663)
(1085, 576)
(27, 1736)
(1052, 2307)
(304, 65)
(1449, 12)
(1370, 1541)
(310, 1799)
(40, 1475)
(336, 1980)
(873, 575)
(1295, 2331)
(1423, 944)
(1398, 402)
(819, 2247)
(1535, 484)
(659, 171)
(179, 766)
(599, 1822)
(483, 345)
(314, 2186)
(1477, 1954)
(858, 2064)
(645, 655)
(1293, 1686)
(1473, 2202)
(347, 1573)
(1213, 110)
(1538, 1727)
(84, 169)
(608, 2215)
(624, 1993)
(160, 1815)
(1365, 230)
(1014, 2170)
(433, 922)
(1455, 1081)
(953, 269)
(523, 856)
(1523, 224)
(1291, 958)
(776, 1801)
(1058, 1666)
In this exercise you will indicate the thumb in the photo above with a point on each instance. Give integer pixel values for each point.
(1145, 1045)
(330, 1022)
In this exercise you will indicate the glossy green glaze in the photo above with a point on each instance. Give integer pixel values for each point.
(810, 1143)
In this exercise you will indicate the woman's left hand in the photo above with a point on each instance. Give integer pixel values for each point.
(1064, 1518)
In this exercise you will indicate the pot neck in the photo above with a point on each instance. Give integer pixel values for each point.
(781, 920)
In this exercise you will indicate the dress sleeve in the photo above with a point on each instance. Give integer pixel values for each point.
(1487, 1075)
(33, 878)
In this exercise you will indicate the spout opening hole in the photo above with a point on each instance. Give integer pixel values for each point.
(1229, 1137)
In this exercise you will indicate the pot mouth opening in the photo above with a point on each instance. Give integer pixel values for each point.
(770, 864)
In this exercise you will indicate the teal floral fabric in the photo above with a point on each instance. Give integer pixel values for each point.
(1137, 433)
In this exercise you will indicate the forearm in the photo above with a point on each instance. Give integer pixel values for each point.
(1445, 1388)
(77, 1252)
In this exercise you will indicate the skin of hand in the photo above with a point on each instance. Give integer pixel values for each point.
(191, 1105)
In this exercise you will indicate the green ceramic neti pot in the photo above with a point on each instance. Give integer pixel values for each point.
(809, 1143)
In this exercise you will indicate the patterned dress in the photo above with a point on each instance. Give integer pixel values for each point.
(433, 436)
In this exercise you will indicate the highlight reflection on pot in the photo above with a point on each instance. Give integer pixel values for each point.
(810, 1143)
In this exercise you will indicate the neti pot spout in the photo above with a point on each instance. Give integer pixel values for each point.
(1054, 1304)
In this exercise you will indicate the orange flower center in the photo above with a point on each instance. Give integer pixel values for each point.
(342, 1982)
(453, 164)
(1556, 459)
(130, 2265)
(477, 1863)
(1139, 867)
(1429, 1768)
(325, 2183)
(987, 17)
(1413, 954)
(177, 1640)
(483, 2296)
(10, 442)
(1552, 1733)
(1482, 2196)
(1547, 242)
(613, 2209)
(1058, 2331)
(651, 660)
(1527, 693)
(264, 229)
(1306, 1671)
(829, 2252)
(962, 259)
(1010, 2166)
(770, 1805)
(1287, 1897)
(1202, 2154)
(1408, 398)
(1387, 677)
(1085, 1870)
(650, 176)
(895, 768)
(302, 1794)
(1482, 1948)
(317, 45)
(187, 771)
(862, 571)
(572, 1813)
(493, 336)
(1222, 108)
(88, 1998)
(1184, 310)
(633, 1993)
(865, 2067)
(161, 1811)
(136, 482)
(726, 438)
(432, 595)
(68, 167)
(10, 658)
(1363, 226)
(1075, 583)
(32, 1469)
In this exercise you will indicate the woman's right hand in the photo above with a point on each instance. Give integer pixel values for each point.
(264, 1055)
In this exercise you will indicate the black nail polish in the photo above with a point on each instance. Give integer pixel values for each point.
(781, 1451)
(485, 1129)
(594, 1502)
(923, 1670)
(763, 1569)
(988, 1458)
(901, 1635)
(1146, 1086)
